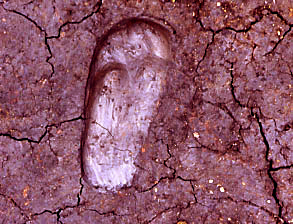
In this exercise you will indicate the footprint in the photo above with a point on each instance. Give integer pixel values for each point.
(127, 76)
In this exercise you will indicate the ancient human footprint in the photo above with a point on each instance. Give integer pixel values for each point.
(127, 76)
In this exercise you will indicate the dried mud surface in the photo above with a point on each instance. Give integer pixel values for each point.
(220, 148)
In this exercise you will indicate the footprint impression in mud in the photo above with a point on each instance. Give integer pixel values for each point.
(126, 78)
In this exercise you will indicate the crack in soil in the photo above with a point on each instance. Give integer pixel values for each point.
(97, 8)
(276, 217)
(44, 134)
(59, 210)
(279, 41)
(42, 31)
(15, 205)
(270, 167)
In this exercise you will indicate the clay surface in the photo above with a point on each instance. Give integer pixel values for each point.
(216, 143)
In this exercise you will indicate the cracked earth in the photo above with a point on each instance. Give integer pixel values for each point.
(219, 149)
